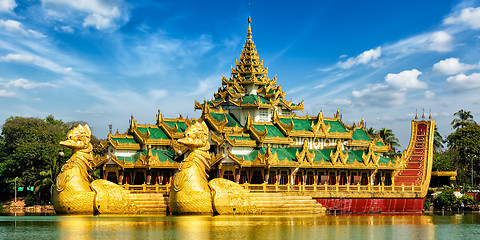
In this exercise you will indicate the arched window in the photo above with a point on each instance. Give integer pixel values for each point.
(228, 175)
(364, 180)
(257, 177)
(298, 178)
(112, 177)
(166, 178)
(310, 178)
(243, 177)
(272, 177)
(378, 179)
(332, 178)
(284, 178)
(139, 178)
(388, 179)
(343, 178)
(154, 178)
(127, 179)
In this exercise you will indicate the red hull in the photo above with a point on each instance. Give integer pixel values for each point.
(372, 205)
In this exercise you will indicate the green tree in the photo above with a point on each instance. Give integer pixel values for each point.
(371, 131)
(31, 153)
(445, 199)
(444, 161)
(463, 118)
(466, 142)
(437, 141)
(389, 138)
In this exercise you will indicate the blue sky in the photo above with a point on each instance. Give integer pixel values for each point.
(102, 61)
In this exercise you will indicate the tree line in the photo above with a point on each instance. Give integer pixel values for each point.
(460, 150)
(31, 156)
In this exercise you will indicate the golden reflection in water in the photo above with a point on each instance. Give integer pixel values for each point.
(248, 227)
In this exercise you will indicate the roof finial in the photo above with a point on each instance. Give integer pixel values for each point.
(249, 32)
(416, 113)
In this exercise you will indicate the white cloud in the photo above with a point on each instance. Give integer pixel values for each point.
(100, 14)
(22, 83)
(67, 29)
(393, 92)
(157, 94)
(407, 79)
(17, 58)
(469, 16)
(343, 101)
(380, 95)
(6, 93)
(452, 66)
(7, 5)
(9, 89)
(429, 94)
(363, 58)
(462, 82)
(37, 61)
(440, 41)
(17, 27)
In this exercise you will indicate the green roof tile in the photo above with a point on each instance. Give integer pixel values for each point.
(283, 153)
(335, 126)
(163, 155)
(379, 144)
(249, 99)
(322, 153)
(181, 125)
(273, 131)
(360, 134)
(231, 121)
(155, 133)
(240, 138)
(127, 159)
(124, 140)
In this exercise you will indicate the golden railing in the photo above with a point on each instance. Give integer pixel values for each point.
(269, 188)
(324, 188)
(147, 188)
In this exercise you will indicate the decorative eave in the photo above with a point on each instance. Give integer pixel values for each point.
(339, 156)
(218, 140)
(216, 125)
(286, 129)
(214, 158)
(370, 157)
(257, 104)
(239, 142)
(117, 145)
(290, 105)
(147, 160)
(319, 128)
(305, 156)
(382, 149)
(257, 135)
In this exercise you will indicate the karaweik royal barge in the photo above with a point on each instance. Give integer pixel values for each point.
(285, 162)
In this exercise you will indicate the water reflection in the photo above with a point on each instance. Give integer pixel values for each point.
(246, 227)
(420, 226)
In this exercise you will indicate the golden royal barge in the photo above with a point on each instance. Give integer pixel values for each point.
(258, 141)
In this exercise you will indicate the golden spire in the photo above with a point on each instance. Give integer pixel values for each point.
(249, 32)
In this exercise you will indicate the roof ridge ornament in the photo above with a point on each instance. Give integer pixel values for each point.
(249, 31)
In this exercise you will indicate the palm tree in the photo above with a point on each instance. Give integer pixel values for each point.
(389, 138)
(47, 180)
(371, 131)
(463, 118)
(437, 141)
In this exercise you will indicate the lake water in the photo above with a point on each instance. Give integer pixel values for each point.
(376, 227)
